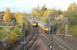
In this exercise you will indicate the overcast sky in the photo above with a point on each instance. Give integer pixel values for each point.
(27, 5)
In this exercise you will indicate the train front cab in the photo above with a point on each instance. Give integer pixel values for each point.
(35, 24)
(46, 29)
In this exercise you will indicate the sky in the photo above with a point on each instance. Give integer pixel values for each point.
(28, 5)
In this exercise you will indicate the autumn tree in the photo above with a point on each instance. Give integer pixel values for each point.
(39, 12)
(36, 11)
(7, 16)
(12, 37)
(19, 18)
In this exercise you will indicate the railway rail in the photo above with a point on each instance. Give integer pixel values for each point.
(61, 44)
(32, 41)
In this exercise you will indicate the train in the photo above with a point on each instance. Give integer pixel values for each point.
(44, 27)
(33, 22)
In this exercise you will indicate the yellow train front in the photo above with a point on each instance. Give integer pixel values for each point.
(46, 29)
(35, 24)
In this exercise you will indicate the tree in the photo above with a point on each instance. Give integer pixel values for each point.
(7, 16)
(36, 11)
(71, 13)
(60, 12)
(14, 34)
(39, 12)
(19, 18)
(12, 37)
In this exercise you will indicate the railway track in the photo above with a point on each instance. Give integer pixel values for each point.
(32, 40)
(60, 44)
(26, 42)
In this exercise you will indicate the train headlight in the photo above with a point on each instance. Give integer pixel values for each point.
(34, 24)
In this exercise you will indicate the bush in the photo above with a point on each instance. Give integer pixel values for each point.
(73, 30)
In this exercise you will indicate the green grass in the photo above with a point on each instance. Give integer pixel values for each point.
(73, 30)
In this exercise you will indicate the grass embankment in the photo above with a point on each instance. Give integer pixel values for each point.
(73, 30)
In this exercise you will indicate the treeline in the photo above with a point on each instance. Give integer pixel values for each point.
(71, 12)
